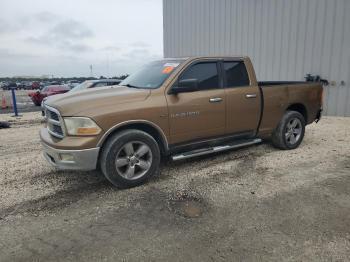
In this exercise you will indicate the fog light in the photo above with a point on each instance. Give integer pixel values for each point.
(67, 157)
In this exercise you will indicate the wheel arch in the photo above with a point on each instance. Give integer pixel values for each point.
(299, 108)
(146, 126)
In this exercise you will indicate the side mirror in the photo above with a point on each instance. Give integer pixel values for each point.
(183, 86)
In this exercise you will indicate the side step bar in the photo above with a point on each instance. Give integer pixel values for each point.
(210, 150)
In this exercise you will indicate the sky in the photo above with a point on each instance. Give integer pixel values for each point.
(64, 37)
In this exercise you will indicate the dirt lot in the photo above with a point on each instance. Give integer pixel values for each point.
(253, 204)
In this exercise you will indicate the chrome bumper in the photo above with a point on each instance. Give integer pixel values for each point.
(85, 159)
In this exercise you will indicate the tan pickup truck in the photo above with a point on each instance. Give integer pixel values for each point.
(174, 108)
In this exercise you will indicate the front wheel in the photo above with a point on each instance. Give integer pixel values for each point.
(129, 158)
(290, 131)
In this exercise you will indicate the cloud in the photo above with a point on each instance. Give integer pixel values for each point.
(22, 24)
(13, 62)
(38, 18)
(6, 27)
(69, 35)
(46, 17)
(111, 48)
(8, 54)
(48, 37)
(137, 53)
(71, 29)
(139, 44)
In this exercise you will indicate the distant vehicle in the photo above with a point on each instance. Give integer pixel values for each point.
(51, 83)
(32, 85)
(21, 85)
(9, 86)
(73, 83)
(96, 83)
(38, 96)
(28, 85)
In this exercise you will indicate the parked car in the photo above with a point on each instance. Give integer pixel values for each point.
(53, 83)
(35, 85)
(177, 109)
(9, 86)
(96, 83)
(38, 96)
(73, 83)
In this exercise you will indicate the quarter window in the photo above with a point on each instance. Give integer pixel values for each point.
(205, 73)
(236, 74)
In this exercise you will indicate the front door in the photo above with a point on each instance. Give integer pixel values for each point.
(199, 114)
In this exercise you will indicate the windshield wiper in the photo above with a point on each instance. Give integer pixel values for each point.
(132, 86)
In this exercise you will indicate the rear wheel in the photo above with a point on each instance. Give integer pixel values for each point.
(290, 131)
(129, 158)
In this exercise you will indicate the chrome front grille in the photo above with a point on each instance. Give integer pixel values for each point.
(54, 121)
(54, 116)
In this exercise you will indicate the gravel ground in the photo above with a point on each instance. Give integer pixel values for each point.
(252, 204)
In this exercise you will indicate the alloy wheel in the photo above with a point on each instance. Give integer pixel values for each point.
(293, 131)
(133, 160)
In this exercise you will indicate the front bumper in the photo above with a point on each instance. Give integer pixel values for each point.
(85, 159)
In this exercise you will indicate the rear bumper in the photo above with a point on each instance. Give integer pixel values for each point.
(85, 159)
(319, 115)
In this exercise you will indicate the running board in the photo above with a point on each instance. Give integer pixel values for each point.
(210, 150)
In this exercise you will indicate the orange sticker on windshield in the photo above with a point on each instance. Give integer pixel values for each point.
(167, 69)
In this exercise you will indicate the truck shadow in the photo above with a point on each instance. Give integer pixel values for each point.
(76, 186)
(182, 167)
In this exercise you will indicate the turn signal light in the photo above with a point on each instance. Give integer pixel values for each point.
(88, 130)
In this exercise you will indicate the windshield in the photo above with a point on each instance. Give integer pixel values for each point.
(82, 86)
(151, 75)
(45, 89)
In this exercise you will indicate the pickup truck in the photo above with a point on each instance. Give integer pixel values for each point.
(177, 109)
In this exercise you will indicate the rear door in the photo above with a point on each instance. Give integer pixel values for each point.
(199, 114)
(243, 100)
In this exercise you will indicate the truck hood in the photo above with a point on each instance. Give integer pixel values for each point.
(73, 103)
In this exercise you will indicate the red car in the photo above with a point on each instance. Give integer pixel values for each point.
(35, 85)
(37, 97)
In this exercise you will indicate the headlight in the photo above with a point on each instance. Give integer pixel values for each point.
(81, 126)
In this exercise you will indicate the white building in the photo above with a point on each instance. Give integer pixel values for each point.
(286, 39)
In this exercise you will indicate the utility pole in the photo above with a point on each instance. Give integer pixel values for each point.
(91, 74)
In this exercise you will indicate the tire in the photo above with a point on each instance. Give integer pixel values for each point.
(128, 166)
(290, 131)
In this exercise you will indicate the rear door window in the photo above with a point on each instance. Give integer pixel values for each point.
(206, 73)
(236, 74)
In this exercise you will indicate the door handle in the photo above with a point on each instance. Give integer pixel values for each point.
(215, 99)
(250, 95)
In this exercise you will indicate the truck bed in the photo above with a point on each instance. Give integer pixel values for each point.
(278, 96)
